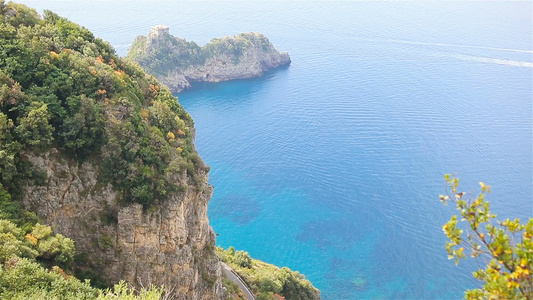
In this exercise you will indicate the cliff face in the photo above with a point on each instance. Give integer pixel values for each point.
(170, 244)
(103, 153)
(178, 63)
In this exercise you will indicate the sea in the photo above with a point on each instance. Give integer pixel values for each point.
(333, 165)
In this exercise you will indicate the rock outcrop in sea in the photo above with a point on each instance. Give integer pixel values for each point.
(178, 63)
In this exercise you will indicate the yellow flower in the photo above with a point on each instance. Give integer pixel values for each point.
(31, 238)
(523, 262)
(519, 272)
(145, 114)
(171, 136)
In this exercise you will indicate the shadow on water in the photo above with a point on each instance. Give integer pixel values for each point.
(239, 208)
(236, 90)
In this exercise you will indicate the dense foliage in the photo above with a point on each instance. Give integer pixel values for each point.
(29, 268)
(170, 53)
(61, 87)
(160, 60)
(39, 244)
(267, 280)
(237, 45)
(506, 245)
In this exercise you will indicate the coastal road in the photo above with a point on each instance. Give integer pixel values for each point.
(235, 278)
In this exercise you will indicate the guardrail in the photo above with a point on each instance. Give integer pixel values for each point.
(249, 290)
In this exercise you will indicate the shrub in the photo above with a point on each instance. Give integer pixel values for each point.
(506, 246)
(242, 259)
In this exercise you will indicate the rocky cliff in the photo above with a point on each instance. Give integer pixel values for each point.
(103, 153)
(178, 63)
(169, 244)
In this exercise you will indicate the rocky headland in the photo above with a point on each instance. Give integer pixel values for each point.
(177, 63)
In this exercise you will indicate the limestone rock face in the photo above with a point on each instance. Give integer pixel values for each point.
(170, 243)
(178, 63)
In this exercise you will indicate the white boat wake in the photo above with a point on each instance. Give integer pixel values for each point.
(467, 57)
(495, 61)
(458, 46)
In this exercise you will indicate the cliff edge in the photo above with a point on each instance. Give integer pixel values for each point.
(103, 153)
(178, 63)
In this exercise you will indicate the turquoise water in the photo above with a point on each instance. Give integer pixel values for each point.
(333, 166)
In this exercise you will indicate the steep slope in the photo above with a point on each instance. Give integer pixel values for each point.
(104, 154)
(177, 63)
(265, 280)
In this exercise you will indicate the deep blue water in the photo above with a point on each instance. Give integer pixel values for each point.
(333, 166)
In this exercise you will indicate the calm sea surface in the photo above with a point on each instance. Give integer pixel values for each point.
(333, 166)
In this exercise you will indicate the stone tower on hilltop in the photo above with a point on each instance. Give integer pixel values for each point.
(159, 30)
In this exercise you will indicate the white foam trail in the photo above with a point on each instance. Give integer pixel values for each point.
(458, 46)
(495, 61)
(473, 58)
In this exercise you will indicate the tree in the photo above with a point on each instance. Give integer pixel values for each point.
(35, 129)
(54, 248)
(243, 259)
(8, 208)
(6, 11)
(8, 150)
(506, 246)
(83, 131)
(12, 243)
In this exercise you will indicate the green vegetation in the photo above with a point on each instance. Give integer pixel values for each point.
(61, 87)
(506, 245)
(236, 46)
(171, 53)
(233, 292)
(29, 268)
(160, 60)
(267, 280)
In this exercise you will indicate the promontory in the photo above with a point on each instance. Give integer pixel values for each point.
(177, 63)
